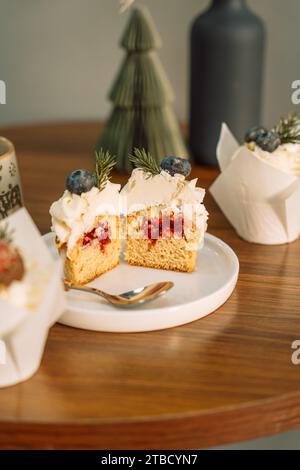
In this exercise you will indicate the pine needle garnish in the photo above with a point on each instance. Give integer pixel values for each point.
(104, 165)
(6, 234)
(144, 161)
(288, 129)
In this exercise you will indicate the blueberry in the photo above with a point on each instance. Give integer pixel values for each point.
(176, 165)
(254, 133)
(80, 181)
(269, 141)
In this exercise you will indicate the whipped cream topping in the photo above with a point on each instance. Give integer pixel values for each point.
(16, 293)
(73, 215)
(286, 158)
(143, 191)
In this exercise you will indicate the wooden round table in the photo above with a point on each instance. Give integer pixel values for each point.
(226, 378)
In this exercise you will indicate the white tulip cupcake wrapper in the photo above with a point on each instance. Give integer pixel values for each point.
(24, 329)
(260, 201)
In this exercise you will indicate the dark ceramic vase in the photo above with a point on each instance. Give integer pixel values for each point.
(227, 58)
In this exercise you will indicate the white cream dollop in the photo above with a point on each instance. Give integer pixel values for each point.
(73, 215)
(144, 191)
(16, 293)
(286, 158)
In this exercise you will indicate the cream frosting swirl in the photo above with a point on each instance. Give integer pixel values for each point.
(73, 215)
(144, 191)
(286, 158)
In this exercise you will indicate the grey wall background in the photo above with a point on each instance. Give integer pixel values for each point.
(58, 57)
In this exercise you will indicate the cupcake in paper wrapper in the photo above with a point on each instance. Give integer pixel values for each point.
(259, 191)
(31, 297)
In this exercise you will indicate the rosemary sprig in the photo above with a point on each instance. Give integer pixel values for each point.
(143, 160)
(104, 165)
(6, 234)
(288, 129)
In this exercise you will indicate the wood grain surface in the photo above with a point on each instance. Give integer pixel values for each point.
(225, 378)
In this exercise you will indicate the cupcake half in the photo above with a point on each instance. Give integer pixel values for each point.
(165, 216)
(86, 221)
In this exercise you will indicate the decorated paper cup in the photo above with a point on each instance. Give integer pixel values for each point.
(11, 198)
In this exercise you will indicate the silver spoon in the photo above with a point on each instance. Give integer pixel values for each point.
(127, 299)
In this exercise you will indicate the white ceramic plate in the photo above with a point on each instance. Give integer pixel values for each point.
(193, 297)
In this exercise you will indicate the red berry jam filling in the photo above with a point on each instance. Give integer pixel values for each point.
(100, 235)
(163, 227)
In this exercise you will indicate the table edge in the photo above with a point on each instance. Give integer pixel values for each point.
(186, 431)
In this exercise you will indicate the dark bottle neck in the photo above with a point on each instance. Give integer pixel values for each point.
(236, 4)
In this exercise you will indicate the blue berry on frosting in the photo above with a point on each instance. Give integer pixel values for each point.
(254, 133)
(176, 165)
(80, 181)
(269, 141)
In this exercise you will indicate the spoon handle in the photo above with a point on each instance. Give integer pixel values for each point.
(88, 290)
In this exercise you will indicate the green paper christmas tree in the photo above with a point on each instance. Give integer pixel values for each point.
(142, 96)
